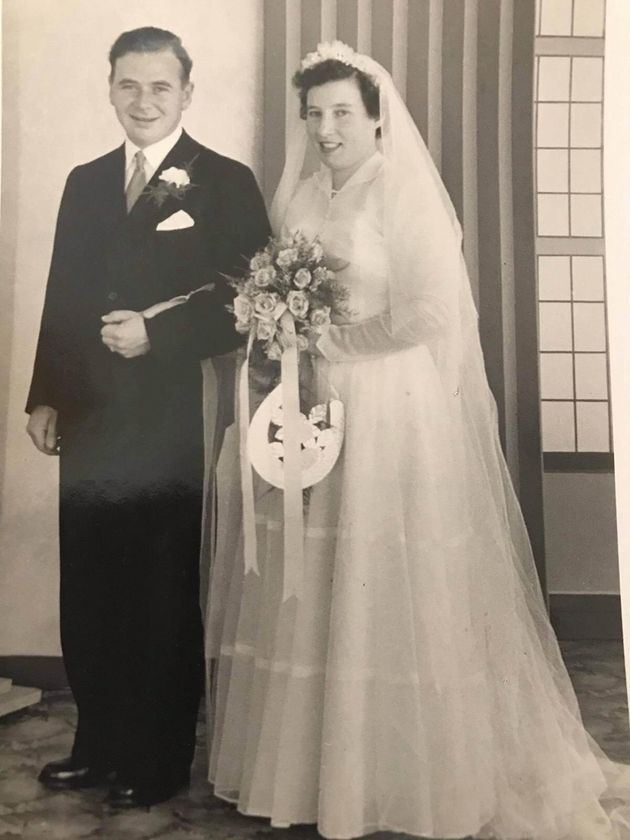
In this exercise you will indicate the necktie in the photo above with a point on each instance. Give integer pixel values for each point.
(137, 182)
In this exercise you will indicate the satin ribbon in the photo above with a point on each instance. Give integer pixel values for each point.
(247, 482)
(292, 461)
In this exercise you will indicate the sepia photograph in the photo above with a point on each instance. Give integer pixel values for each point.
(314, 398)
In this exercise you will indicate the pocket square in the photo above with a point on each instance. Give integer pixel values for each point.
(177, 221)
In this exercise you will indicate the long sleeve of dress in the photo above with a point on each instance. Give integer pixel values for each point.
(375, 336)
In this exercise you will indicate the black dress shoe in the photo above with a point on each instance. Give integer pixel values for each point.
(68, 774)
(125, 796)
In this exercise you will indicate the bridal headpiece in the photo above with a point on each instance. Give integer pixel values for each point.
(338, 51)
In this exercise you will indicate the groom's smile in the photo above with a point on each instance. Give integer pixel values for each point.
(149, 94)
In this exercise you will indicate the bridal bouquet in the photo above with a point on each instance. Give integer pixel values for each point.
(290, 276)
(287, 296)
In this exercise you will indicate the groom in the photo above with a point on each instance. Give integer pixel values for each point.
(118, 394)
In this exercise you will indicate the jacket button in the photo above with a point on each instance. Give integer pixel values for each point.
(112, 296)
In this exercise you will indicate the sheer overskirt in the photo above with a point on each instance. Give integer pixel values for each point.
(410, 688)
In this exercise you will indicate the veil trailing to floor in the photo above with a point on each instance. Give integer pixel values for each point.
(430, 303)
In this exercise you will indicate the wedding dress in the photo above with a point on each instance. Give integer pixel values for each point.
(415, 685)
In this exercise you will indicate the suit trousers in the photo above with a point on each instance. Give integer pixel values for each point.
(131, 623)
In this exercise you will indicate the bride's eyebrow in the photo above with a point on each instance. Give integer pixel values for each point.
(334, 105)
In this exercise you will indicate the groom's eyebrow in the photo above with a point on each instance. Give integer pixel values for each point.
(128, 81)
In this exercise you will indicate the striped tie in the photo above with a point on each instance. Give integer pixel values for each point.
(137, 182)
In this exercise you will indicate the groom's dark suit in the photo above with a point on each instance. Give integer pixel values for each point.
(131, 457)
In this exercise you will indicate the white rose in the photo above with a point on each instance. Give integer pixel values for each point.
(265, 304)
(243, 309)
(297, 303)
(260, 260)
(320, 317)
(286, 257)
(302, 278)
(265, 330)
(264, 276)
(176, 176)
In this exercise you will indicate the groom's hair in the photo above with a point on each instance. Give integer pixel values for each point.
(150, 39)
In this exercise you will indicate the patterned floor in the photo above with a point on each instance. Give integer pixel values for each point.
(28, 739)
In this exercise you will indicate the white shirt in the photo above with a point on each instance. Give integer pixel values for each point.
(154, 154)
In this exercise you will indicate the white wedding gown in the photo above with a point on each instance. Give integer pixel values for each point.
(400, 692)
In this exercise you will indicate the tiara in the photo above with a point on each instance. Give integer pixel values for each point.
(338, 51)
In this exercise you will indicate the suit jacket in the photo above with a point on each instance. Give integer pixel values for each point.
(105, 259)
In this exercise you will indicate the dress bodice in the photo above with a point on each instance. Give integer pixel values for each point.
(349, 224)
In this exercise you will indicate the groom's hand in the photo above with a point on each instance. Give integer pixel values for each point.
(125, 333)
(42, 429)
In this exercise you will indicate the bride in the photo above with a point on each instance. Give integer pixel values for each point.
(414, 684)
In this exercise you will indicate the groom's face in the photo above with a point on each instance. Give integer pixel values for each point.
(149, 95)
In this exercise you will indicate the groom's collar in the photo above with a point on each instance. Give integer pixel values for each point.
(154, 154)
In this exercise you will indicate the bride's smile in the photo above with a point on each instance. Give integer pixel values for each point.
(340, 127)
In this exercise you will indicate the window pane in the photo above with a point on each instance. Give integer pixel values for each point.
(553, 125)
(586, 84)
(555, 17)
(592, 427)
(552, 171)
(556, 376)
(554, 278)
(588, 278)
(591, 378)
(553, 215)
(588, 18)
(586, 215)
(586, 170)
(555, 326)
(554, 74)
(558, 426)
(586, 125)
(589, 326)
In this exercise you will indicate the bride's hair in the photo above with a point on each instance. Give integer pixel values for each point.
(332, 70)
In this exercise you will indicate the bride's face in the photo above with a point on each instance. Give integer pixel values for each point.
(340, 128)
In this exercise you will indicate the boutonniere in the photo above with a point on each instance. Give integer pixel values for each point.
(172, 183)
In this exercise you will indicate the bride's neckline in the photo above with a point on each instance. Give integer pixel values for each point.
(366, 172)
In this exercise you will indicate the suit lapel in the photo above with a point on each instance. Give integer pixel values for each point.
(111, 192)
